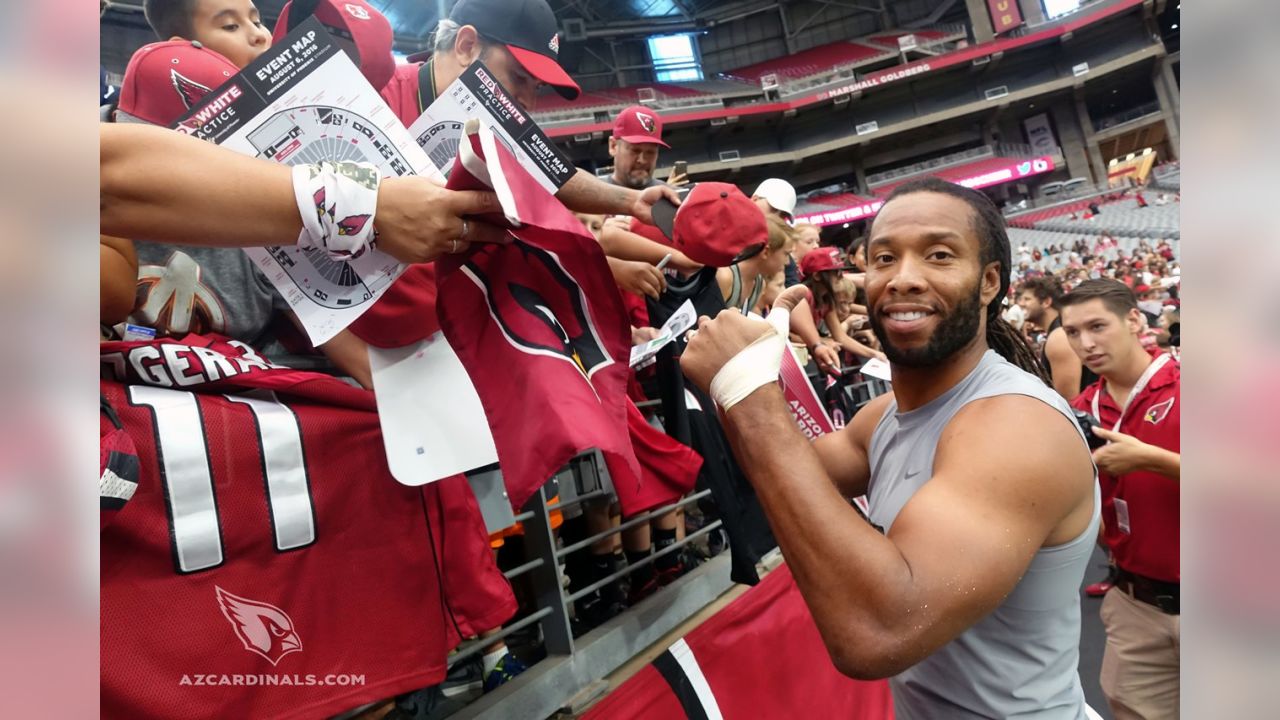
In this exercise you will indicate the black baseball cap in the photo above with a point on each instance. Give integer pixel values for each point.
(528, 28)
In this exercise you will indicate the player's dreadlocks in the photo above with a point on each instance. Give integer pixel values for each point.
(989, 226)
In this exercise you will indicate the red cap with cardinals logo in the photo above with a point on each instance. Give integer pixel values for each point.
(361, 31)
(821, 260)
(166, 79)
(638, 125)
(715, 224)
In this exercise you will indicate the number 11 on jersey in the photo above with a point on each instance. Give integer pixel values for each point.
(187, 474)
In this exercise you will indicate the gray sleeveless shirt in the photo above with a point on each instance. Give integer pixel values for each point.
(1021, 660)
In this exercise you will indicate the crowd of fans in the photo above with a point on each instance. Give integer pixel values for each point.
(1151, 270)
(153, 291)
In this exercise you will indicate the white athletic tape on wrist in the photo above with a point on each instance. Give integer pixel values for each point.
(755, 366)
(337, 201)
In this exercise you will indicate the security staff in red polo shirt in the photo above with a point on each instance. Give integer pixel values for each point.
(1136, 403)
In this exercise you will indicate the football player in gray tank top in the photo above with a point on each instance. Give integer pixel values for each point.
(973, 466)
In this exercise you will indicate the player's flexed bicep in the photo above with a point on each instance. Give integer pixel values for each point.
(844, 453)
(1010, 476)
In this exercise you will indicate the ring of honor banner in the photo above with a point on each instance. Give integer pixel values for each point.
(303, 101)
(1005, 15)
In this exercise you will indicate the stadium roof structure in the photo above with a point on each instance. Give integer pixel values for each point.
(412, 21)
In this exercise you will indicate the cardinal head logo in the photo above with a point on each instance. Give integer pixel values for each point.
(1158, 412)
(358, 12)
(554, 43)
(263, 628)
(540, 308)
(190, 91)
(352, 225)
(646, 121)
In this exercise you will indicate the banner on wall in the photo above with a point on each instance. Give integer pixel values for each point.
(1015, 170)
(1005, 15)
(1040, 134)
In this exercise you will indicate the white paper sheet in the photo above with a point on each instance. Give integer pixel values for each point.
(301, 102)
(433, 424)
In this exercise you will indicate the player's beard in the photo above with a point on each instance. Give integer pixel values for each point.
(955, 330)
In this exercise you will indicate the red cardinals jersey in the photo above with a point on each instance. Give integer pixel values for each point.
(668, 469)
(268, 565)
(1140, 509)
(759, 657)
(537, 323)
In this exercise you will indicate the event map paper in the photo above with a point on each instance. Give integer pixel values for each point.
(304, 101)
(476, 94)
(680, 321)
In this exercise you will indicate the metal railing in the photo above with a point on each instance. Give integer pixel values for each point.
(1065, 197)
(1145, 110)
(985, 151)
(575, 114)
(662, 102)
(838, 74)
(571, 673)
(955, 158)
(551, 683)
(829, 76)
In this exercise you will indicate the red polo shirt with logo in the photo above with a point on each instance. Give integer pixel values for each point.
(1150, 546)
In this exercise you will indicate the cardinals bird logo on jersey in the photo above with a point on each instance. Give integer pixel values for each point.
(263, 628)
(544, 312)
(1158, 412)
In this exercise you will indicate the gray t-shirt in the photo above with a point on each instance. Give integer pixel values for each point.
(1021, 660)
(183, 289)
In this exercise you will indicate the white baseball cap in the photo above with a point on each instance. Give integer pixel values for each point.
(779, 194)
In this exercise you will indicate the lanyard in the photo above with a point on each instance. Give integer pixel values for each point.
(1141, 385)
(426, 83)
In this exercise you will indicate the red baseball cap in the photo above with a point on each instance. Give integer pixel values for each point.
(639, 125)
(361, 31)
(820, 260)
(166, 79)
(528, 28)
(715, 224)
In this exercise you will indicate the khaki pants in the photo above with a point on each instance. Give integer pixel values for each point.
(1140, 664)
